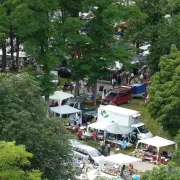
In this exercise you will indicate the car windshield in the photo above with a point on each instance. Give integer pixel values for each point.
(111, 95)
(95, 153)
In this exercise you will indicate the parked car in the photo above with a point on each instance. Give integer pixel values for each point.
(64, 71)
(118, 96)
(86, 152)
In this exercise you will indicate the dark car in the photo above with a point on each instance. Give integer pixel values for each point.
(64, 72)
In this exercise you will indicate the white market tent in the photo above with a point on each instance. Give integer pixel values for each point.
(99, 125)
(59, 96)
(157, 142)
(116, 129)
(65, 109)
(120, 159)
(112, 128)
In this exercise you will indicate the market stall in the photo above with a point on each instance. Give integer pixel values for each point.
(152, 149)
(74, 114)
(113, 164)
(60, 96)
(118, 130)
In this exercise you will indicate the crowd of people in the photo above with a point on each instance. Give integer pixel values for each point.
(127, 78)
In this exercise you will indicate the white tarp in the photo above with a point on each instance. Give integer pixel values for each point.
(59, 96)
(120, 159)
(98, 125)
(157, 141)
(112, 128)
(65, 109)
(116, 129)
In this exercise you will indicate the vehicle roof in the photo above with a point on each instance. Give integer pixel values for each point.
(85, 147)
(119, 110)
(137, 124)
(121, 89)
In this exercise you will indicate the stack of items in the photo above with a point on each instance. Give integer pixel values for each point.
(112, 170)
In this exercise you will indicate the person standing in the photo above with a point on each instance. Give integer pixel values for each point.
(141, 77)
(119, 78)
(113, 82)
(131, 77)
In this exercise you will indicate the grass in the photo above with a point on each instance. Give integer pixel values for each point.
(151, 125)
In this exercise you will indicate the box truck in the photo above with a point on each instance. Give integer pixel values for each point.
(124, 117)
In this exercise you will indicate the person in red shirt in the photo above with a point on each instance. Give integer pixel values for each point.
(79, 133)
(94, 135)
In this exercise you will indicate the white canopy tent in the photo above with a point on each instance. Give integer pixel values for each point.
(112, 128)
(99, 125)
(65, 109)
(120, 159)
(59, 96)
(157, 142)
(116, 129)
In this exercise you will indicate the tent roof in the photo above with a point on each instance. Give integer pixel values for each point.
(110, 127)
(65, 109)
(99, 125)
(157, 141)
(117, 109)
(120, 159)
(60, 95)
(116, 129)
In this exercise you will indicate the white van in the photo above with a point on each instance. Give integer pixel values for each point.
(87, 153)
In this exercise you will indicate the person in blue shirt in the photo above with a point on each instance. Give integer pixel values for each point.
(136, 176)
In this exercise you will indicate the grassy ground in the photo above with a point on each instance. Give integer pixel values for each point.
(152, 125)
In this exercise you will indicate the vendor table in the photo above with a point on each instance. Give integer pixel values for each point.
(88, 135)
(119, 142)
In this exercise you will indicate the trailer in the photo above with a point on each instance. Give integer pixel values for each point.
(138, 90)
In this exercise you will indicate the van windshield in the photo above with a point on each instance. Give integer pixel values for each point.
(95, 153)
(111, 95)
(142, 129)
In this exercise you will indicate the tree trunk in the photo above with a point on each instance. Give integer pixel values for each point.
(12, 47)
(4, 57)
(76, 91)
(95, 93)
(17, 53)
(137, 47)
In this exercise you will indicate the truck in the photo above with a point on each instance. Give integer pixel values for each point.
(124, 117)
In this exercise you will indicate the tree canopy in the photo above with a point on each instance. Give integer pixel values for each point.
(14, 162)
(164, 92)
(23, 119)
(166, 173)
(150, 26)
(176, 155)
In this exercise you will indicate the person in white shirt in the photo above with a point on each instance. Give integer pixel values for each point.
(113, 82)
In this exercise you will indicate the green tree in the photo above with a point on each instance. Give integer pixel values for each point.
(4, 25)
(164, 93)
(77, 48)
(23, 119)
(152, 27)
(33, 22)
(14, 162)
(176, 155)
(166, 173)
(99, 54)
